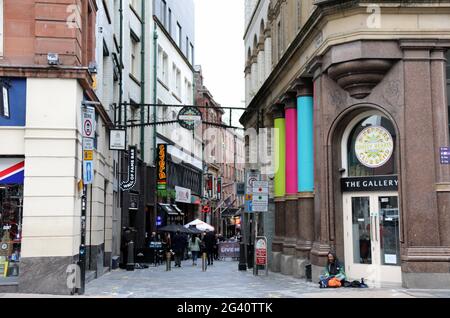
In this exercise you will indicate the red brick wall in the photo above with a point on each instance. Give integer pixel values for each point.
(34, 28)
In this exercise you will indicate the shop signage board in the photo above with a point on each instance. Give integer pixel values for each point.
(162, 167)
(88, 121)
(445, 155)
(183, 195)
(117, 140)
(190, 117)
(369, 184)
(374, 147)
(131, 182)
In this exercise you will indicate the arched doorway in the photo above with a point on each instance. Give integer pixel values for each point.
(371, 211)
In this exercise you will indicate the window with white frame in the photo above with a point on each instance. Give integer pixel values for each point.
(178, 83)
(136, 5)
(179, 35)
(163, 66)
(192, 54)
(163, 13)
(135, 56)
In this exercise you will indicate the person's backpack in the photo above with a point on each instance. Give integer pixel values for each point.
(355, 284)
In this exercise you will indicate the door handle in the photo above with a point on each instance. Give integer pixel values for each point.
(377, 227)
(372, 228)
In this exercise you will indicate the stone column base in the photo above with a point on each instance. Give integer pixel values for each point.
(426, 280)
(276, 262)
(287, 264)
(45, 275)
(299, 267)
(316, 272)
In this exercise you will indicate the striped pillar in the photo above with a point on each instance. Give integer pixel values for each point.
(291, 146)
(291, 215)
(280, 155)
(279, 185)
(305, 226)
(305, 141)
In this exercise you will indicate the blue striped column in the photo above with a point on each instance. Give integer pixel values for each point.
(305, 137)
(305, 106)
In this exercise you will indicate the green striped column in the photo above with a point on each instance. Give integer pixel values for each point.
(280, 156)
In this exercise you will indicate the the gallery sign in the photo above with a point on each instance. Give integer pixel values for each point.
(369, 184)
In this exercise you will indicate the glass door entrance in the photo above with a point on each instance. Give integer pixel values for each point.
(372, 237)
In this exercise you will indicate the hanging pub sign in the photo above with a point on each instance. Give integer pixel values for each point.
(162, 166)
(369, 184)
(128, 185)
(190, 117)
(374, 147)
(134, 202)
(117, 139)
(219, 188)
(210, 185)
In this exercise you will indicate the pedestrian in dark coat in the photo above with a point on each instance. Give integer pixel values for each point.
(178, 244)
(210, 241)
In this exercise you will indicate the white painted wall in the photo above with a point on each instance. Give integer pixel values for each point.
(52, 205)
(167, 95)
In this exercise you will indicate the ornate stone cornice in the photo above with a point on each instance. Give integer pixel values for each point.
(289, 100)
(304, 87)
(360, 77)
(267, 33)
(277, 111)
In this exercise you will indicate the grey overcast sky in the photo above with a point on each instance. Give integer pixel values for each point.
(219, 32)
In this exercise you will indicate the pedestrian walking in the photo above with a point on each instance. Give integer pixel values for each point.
(178, 244)
(194, 247)
(209, 241)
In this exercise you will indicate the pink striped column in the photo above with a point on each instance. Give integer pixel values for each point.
(291, 214)
(291, 146)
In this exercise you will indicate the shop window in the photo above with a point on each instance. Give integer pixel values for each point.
(355, 167)
(11, 199)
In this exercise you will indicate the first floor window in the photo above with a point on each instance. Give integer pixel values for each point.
(4, 101)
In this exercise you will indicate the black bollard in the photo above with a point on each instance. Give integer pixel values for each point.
(168, 261)
(204, 265)
(242, 261)
(130, 258)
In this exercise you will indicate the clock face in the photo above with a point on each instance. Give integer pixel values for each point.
(4, 246)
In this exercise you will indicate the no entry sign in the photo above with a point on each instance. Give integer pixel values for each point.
(88, 122)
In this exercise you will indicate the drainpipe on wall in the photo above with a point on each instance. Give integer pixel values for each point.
(143, 81)
(155, 81)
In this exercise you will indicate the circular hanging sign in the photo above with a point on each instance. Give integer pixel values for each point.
(190, 117)
(374, 147)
